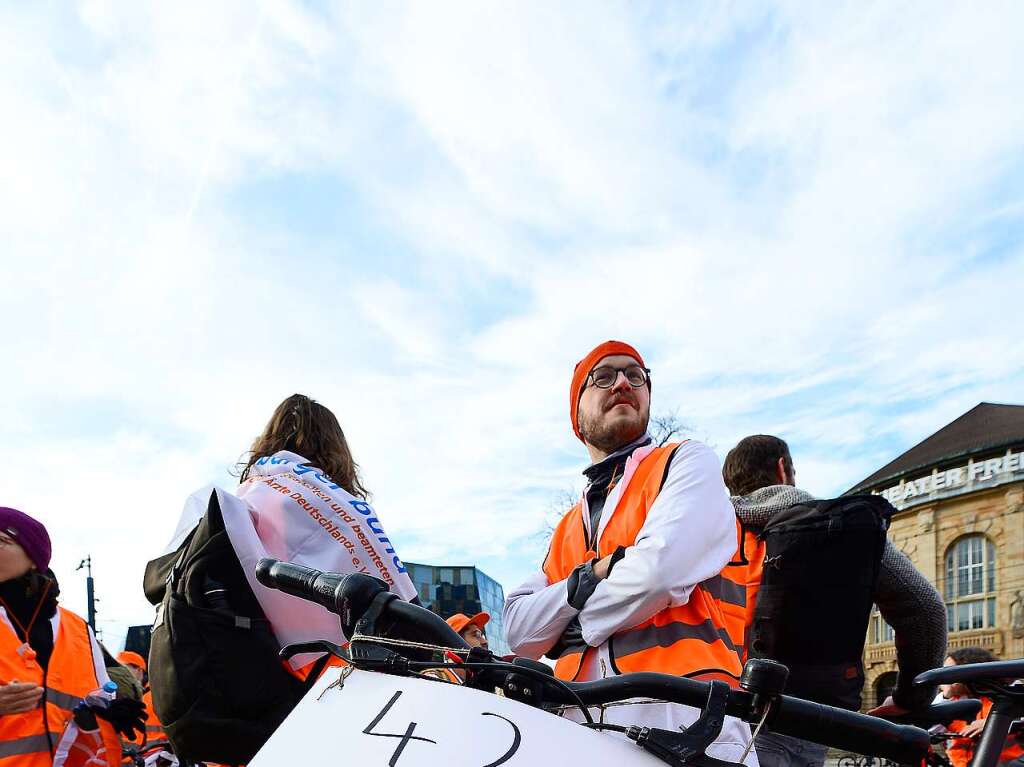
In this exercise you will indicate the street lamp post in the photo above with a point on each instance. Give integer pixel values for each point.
(90, 591)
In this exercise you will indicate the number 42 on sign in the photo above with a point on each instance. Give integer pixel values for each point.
(379, 719)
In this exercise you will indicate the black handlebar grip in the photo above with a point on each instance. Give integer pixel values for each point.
(849, 730)
(347, 596)
(299, 581)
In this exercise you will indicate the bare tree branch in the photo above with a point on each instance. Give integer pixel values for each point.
(666, 425)
(561, 502)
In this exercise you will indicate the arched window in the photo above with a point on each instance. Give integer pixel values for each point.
(884, 686)
(970, 584)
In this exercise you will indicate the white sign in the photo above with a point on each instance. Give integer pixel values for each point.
(954, 479)
(377, 720)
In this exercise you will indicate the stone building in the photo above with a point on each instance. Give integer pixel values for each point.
(960, 501)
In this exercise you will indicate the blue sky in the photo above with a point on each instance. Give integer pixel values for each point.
(808, 218)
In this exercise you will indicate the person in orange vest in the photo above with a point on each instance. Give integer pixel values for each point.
(471, 629)
(137, 665)
(961, 750)
(623, 585)
(761, 478)
(49, 659)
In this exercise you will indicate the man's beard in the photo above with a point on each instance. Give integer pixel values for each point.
(609, 437)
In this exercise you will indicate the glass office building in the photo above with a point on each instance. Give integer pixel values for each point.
(447, 590)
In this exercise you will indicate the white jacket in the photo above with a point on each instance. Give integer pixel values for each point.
(688, 537)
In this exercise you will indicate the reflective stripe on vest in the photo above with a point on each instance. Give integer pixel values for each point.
(678, 640)
(726, 590)
(62, 700)
(30, 744)
(639, 639)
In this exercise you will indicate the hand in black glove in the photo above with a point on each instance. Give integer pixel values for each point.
(571, 639)
(126, 715)
(84, 717)
(617, 556)
(581, 584)
(583, 580)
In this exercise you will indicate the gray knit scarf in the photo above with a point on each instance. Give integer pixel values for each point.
(756, 508)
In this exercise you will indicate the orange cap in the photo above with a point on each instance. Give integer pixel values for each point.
(129, 658)
(460, 621)
(583, 368)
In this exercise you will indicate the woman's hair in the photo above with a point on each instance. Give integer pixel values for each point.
(965, 655)
(304, 426)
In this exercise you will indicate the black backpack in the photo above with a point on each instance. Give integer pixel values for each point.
(219, 688)
(821, 564)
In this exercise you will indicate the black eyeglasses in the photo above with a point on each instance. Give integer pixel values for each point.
(605, 377)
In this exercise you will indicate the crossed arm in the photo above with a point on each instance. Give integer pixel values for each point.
(689, 536)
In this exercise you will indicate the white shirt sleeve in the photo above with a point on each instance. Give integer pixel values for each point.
(689, 536)
(97, 659)
(535, 616)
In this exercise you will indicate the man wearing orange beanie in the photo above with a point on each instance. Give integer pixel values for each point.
(630, 581)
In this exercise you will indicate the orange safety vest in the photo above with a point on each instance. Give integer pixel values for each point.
(154, 730)
(961, 750)
(744, 573)
(687, 640)
(27, 739)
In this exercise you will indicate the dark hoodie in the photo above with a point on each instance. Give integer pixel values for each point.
(905, 598)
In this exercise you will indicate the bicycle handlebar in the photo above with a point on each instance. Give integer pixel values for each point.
(350, 596)
(940, 713)
(972, 672)
(790, 716)
(325, 589)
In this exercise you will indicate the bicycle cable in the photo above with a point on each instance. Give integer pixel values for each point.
(464, 651)
(605, 726)
(547, 679)
(753, 735)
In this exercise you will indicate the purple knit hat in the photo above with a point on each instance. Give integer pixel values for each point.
(27, 533)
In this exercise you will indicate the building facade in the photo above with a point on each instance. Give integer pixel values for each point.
(450, 589)
(959, 496)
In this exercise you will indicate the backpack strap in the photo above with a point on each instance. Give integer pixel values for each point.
(741, 548)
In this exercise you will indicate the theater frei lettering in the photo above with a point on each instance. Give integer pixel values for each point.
(988, 471)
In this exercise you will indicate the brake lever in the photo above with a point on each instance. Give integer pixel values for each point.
(687, 748)
(320, 645)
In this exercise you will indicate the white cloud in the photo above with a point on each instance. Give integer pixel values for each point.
(808, 219)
